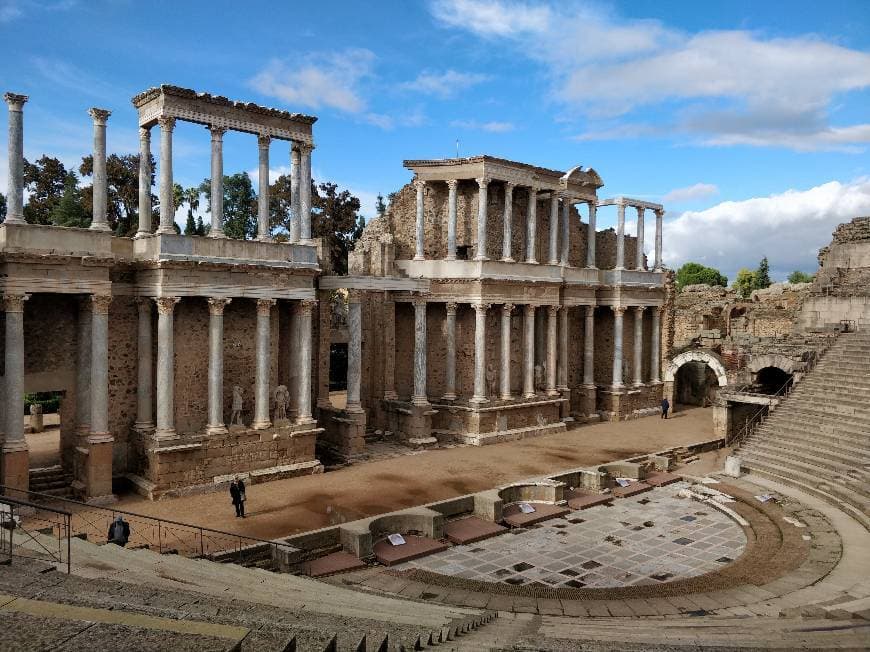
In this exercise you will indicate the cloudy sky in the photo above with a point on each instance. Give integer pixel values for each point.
(749, 120)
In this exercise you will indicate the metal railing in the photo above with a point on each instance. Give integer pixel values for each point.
(161, 535)
(34, 531)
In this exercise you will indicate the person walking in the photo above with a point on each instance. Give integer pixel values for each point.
(665, 407)
(237, 495)
(119, 532)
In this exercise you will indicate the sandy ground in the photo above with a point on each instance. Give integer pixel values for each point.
(44, 446)
(285, 507)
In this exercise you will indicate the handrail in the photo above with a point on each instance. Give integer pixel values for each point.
(24, 503)
(66, 527)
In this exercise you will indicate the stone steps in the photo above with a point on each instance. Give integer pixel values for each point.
(51, 480)
(827, 413)
(789, 436)
(811, 424)
(840, 455)
(856, 481)
(831, 469)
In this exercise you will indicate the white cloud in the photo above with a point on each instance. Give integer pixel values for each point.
(495, 127)
(386, 122)
(492, 17)
(691, 193)
(446, 84)
(788, 228)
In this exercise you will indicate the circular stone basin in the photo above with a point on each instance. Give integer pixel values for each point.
(654, 538)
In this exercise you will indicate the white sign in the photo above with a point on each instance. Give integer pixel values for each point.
(525, 508)
(396, 539)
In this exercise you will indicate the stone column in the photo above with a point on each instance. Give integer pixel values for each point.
(655, 347)
(482, 203)
(638, 345)
(304, 400)
(217, 183)
(451, 217)
(15, 188)
(508, 222)
(354, 351)
(419, 397)
(305, 192)
(100, 182)
(620, 236)
(659, 218)
(479, 353)
(563, 349)
(552, 344)
(640, 233)
(144, 182)
(554, 229)
(532, 226)
(264, 357)
(295, 183)
(100, 365)
(166, 368)
(566, 231)
(589, 349)
(13, 394)
(83, 368)
(216, 424)
(263, 235)
(529, 352)
(618, 312)
(167, 207)
(590, 232)
(389, 348)
(144, 368)
(420, 233)
(450, 361)
(505, 377)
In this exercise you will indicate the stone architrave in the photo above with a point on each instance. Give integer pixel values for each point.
(306, 308)
(529, 351)
(263, 234)
(480, 310)
(620, 235)
(15, 188)
(590, 235)
(217, 184)
(552, 347)
(166, 368)
(167, 205)
(419, 397)
(354, 351)
(618, 312)
(554, 230)
(450, 357)
(638, 346)
(216, 307)
(264, 351)
(482, 207)
(420, 224)
(100, 180)
(505, 374)
(144, 367)
(508, 219)
(145, 183)
(532, 226)
(452, 185)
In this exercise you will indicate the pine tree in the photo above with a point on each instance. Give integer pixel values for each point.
(380, 206)
(190, 224)
(69, 210)
(200, 226)
(762, 275)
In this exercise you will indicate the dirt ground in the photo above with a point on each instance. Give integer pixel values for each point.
(44, 446)
(285, 507)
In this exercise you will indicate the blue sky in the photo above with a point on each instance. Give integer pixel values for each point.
(749, 120)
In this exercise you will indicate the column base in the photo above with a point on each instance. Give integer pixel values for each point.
(530, 395)
(655, 382)
(10, 219)
(264, 239)
(658, 269)
(532, 262)
(478, 400)
(481, 259)
(165, 434)
(143, 426)
(422, 401)
(638, 383)
(323, 403)
(216, 429)
(591, 267)
(449, 396)
(448, 257)
(306, 420)
(553, 262)
(261, 425)
(508, 259)
(354, 408)
(142, 234)
(216, 234)
(166, 229)
(553, 392)
(99, 227)
(15, 465)
(507, 397)
(419, 257)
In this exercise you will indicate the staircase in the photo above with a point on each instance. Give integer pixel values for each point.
(51, 480)
(818, 439)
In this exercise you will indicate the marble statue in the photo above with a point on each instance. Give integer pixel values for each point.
(238, 405)
(282, 395)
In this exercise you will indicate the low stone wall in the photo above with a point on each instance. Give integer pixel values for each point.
(499, 421)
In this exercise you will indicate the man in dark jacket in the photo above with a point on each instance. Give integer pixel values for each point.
(119, 532)
(665, 407)
(237, 495)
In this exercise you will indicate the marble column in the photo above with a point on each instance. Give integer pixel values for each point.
(13, 395)
(532, 226)
(295, 202)
(354, 351)
(305, 192)
(304, 398)
(389, 351)
(655, 346)
(100, 181)
(480, 310)
(419, 397)
(640, 233)
(590, 236)
(451, 217)
(554, 230)
(420, 230)
(216, 307)
(263, 234)
(450, 346)
(166, 368)
(529, 351)
(83, 368)
(217, 183)
(659, 218)
(100, 365)
(552, 348)
(167, 200)
(144, 368)
(563, 349)
(482, 205)
(638, 345)
(264, 358)
(618, 312)
(508, 222)
(144, 182)
(505, 375)
(589, 349)
(15, 188)
(566, 231)
(620, 236)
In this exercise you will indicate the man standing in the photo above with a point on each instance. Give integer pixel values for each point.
(237, 495)
(665, 407)
(119, 532)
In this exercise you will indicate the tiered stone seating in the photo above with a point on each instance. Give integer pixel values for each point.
(818, 439)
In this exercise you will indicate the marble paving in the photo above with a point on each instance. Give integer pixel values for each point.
(653, 538)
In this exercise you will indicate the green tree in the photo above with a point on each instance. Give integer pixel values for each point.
(800, 277)
(380, 206)
(695, 273)
(240, 205)
(335, 217)
(69, 211)
(2, 207)
(45, 181)
(122, 185)
(201, 229)
(762, 275)
(190, 196)
(745, 282)
(280, 201)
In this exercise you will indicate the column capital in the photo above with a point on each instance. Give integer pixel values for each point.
(166, 123)
(480, 307)
(639, 309)
(263, 141)
(304, 148)
(451, 183)
(419, 184)
(529, 308)
(15, 101)
(418, 300)
(618, 311)
(100, 303)
(483, 181)
(14, 302)
(144, 135)
(509, 186)
(306, 306)
(451, 307)
(143, 304)
(165, 305)
(533, 190)
(640, 210)
(590, 311)
(660, 213)
(264, 306)
(553, 309)
(507, 308)
(593, 203)
(217, 133)
(216, 305)
(100, 116)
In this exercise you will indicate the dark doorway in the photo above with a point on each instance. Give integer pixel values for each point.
(337, 367)
(695, 383)
(772, 380)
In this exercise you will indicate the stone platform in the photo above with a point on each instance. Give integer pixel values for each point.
(413, 548)
(543, 512)
(471, 529)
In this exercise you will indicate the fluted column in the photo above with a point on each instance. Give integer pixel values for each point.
(263, 235)
(83, 368)
(554, 229)
(451, 217)
(618, 312)
(552, 347)
(640, 233)
(264, 351)
(589, 349)
(166, 368)
(505, 375)
(13, 394)
(482, 204)
(450, 346)
(295, 183)
(620, 236)
(659, 218)
(419, 397)
(305, 192)
(15, 188)
(508, 222)
(420, 230)
(566, 231)
(216, 424)
(167, 200)
(354, 351)
(389, 348)
(638, 345)
(563, 349)
(100, 365)
(529, 351)
(590, 232)
(532, 226)
(100, 181)
(655, 346)
(144, 182)
(144, 367)
(303, 402)
(217, 183)
(479, 353)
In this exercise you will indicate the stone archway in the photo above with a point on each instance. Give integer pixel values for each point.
(759, 362)
(711, 360)
(773, 372)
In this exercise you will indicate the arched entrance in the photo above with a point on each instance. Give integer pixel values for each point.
(771, 373)
(693, 378)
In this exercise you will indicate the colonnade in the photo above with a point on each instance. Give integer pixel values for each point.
(639, 263)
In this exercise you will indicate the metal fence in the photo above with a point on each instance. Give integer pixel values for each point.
(34, 531)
